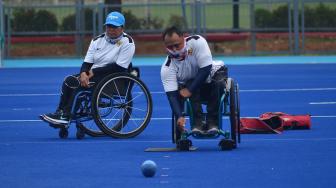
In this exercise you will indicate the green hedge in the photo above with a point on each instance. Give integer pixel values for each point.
(318, 16)
(31, 20)
(43, 20)
(321, 16)
(69, 22)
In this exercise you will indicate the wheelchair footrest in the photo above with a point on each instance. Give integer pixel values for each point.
(204, 135)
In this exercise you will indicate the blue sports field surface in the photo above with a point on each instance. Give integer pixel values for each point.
(32, 155)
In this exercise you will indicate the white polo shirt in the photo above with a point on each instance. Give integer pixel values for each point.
(101, 52)
(174, 72)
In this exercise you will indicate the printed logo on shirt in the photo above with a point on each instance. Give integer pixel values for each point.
(119, 43)
(190, 51)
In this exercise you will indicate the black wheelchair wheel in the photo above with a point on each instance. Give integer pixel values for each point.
(121, 105)
(233, 112)
(238, 110)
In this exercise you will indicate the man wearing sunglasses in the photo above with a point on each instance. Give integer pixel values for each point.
(190, 72)
(108, 53)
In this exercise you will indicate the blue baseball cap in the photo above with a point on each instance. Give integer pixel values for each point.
(115, 18)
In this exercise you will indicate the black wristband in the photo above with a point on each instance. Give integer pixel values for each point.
(86, 67)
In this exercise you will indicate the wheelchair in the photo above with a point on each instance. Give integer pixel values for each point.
(120, 106)
(229, 106)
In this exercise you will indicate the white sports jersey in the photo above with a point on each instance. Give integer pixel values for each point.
(102, 52)
(174, 72)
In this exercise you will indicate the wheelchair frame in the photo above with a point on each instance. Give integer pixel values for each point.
(88, 106)
(229, 106)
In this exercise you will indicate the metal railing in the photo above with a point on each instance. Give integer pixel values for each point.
(233, 22)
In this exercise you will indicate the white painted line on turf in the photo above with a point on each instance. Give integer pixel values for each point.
(18, 120)
(37, 120)
(21, 109)
(293, 139)
(277, 139)
(294, 89)
(155, 119)
(58, 141)
(162, 92)
(322, 103)
(27, 95)
(323, 116)
(69, 141)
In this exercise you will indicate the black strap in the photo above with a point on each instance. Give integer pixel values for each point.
(86, 67)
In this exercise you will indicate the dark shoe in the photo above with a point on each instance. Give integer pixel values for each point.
(59, 117)
(52, 124)
(212, 127)
(197, 130)
(212, 130)
(198, 126)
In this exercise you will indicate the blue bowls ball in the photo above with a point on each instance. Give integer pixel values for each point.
(148, 168)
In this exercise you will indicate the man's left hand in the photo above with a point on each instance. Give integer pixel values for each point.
(84, 78)
(185, 93)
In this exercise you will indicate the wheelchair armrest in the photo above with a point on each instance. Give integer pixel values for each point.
(135, 71)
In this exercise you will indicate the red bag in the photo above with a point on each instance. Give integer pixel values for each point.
(274, 122)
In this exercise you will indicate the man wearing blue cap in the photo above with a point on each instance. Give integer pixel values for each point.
(108, 53)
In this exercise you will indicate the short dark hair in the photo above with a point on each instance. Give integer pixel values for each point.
(170, 31)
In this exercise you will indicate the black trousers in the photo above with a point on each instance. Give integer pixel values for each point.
(70, 87)
(210, 94)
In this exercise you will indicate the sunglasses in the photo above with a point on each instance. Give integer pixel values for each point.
(112, 26)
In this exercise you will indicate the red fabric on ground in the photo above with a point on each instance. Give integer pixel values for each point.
(274, 122)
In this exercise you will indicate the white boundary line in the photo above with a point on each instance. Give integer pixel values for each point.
(57, 141)
(27, 95)
(294, 89)
(162, 92)
(155, 119)
(322, 103)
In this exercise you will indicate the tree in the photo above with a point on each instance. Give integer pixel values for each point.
(113, 5)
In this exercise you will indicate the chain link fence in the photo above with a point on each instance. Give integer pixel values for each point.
(61, 28)
(2, 32)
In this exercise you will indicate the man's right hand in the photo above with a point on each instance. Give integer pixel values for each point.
(181, 124)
